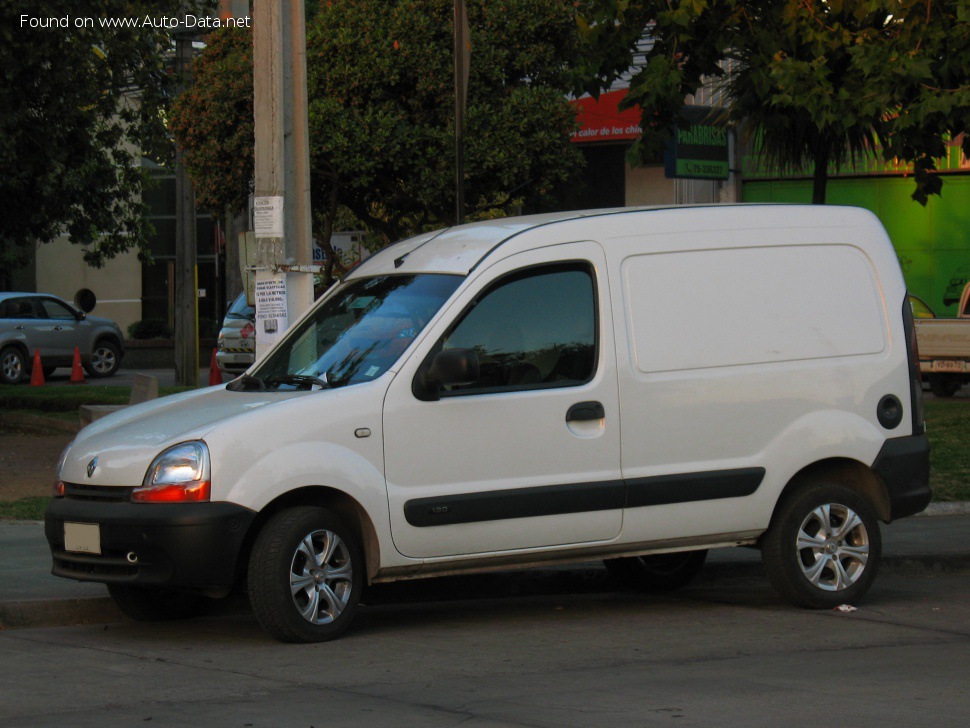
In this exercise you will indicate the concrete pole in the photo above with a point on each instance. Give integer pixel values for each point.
(282, 191)
(186, 282)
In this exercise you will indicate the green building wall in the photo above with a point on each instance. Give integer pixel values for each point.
(932, 242)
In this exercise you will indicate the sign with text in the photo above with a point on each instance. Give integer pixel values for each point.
(701, 150)
(271, 316)
(268, 217)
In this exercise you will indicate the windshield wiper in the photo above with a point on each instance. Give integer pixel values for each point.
(246, 383)
(298, 380)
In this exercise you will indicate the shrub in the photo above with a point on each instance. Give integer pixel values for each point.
(149, 329)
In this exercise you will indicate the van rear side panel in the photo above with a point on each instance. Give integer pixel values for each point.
(752, 306)
(747, 354)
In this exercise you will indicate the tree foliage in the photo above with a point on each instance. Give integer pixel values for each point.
(819, 82)
(78, 106)
(381, 90)
(212, 121)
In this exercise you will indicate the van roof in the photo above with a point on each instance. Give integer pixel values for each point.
(460, 249)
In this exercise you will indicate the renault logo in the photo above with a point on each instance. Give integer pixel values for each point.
(92, 466)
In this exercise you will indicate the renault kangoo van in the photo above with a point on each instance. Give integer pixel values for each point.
(637, 386)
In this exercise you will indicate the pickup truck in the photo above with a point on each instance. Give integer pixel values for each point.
(944, 349)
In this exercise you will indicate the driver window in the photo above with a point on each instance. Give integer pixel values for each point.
(533, 329)
(55, 310)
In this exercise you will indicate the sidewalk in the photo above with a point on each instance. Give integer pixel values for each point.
(30, 596)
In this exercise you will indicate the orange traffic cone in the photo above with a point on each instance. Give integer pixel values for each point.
(77, 374)
(37, 371)
(215, 376)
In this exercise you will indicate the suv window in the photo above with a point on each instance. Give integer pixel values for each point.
(56, 310)
(533, 329)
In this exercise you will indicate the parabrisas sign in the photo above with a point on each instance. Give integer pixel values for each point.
(699, 152)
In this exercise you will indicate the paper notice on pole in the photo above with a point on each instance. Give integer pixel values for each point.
(268, 217)
(271, 317)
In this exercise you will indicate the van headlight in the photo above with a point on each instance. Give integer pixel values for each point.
(179, 475)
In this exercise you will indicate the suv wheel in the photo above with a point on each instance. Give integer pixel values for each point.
(823, 547)
(12, 365)
(306, 574)
(105, 360)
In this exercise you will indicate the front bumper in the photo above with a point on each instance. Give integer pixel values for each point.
(193, 546)
(234, 362)
(903, 464)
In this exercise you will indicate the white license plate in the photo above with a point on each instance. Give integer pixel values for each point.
(947, 366)
(84, 538)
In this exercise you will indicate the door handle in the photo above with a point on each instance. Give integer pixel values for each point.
(58, 328)
(585, 412)
(19, 328)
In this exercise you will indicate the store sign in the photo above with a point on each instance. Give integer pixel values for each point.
(699, 152)
(600, 120)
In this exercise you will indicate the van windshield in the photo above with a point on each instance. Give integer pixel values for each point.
(355, 335)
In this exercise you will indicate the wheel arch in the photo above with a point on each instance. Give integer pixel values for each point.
(847, 472)
(348, 509)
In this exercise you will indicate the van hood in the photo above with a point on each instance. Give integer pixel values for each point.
(126, 442)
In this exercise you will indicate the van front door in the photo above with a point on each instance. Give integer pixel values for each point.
(527, 456)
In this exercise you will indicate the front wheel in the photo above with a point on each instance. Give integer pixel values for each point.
(105, 360)
(823, 547)
(306, 574)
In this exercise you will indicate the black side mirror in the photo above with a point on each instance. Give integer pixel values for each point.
(448, 367)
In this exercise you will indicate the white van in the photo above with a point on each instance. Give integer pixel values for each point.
(637, 386)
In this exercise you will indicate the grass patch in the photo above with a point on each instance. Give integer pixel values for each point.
(25, 509)
(68, 398)
(948, 429)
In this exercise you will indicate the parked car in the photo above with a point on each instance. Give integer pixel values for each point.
(40, 322)
(236, 349)
(944, 349)
(523, 391)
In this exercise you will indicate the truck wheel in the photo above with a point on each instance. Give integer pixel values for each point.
(657, 572)
(105, 360)
(12, 365)
(943, 386)
(150, 604)
(306, 575)
(823, 547)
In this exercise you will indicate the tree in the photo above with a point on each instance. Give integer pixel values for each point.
(212, 121)
(382, 106)
(381, 91)
(817, 82)
(82, 87)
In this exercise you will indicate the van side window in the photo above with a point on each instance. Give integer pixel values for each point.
(533, 329)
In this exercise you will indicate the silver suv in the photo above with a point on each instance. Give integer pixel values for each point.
(40, 322)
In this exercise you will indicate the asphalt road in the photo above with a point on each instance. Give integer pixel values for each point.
(553, 649)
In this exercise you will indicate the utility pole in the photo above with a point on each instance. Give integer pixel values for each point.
(284, 285)
(186, 271)
(462, 62)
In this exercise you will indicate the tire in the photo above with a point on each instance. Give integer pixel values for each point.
(657, 572)
(105, 360)
(306, 575)
(944, 386)
(823, 547)
(151, 604)
(13, 365)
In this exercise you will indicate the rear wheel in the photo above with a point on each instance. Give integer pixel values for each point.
(942, 385)
(306, 575)
(823, 547)
(150, 604)
(658, 572)
(12, 365)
